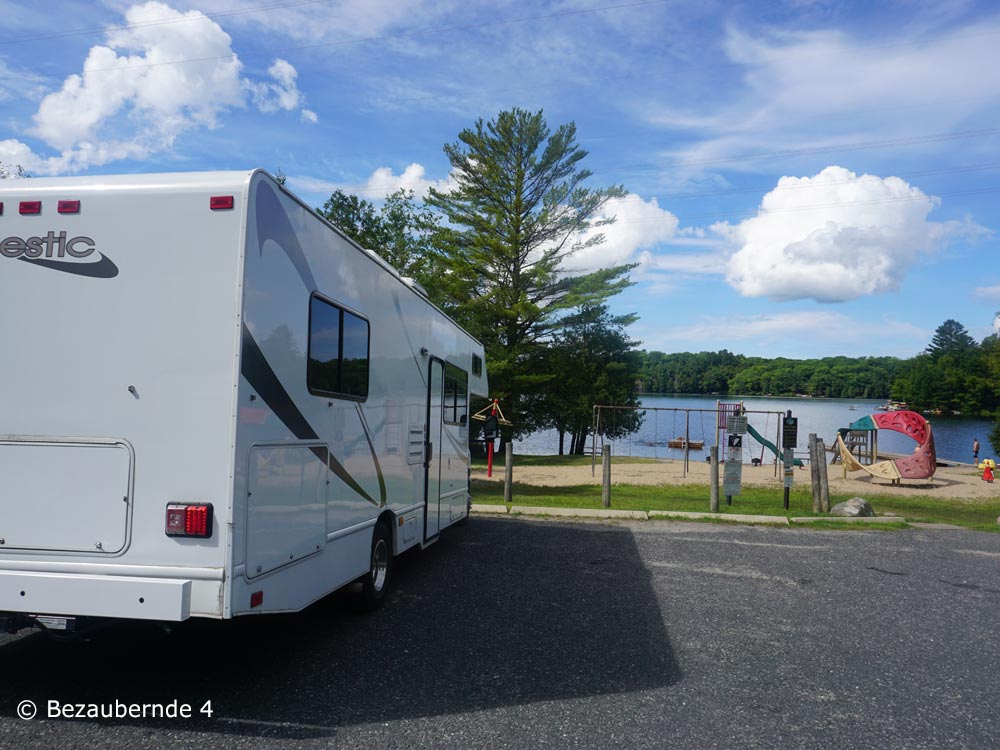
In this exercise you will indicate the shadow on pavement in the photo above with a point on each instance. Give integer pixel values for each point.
(497, 613)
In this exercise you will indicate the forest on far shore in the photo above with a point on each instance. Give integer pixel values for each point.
(954, 374)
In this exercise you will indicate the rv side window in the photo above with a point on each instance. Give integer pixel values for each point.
(338, 351)
(456, 394)
(477, 365)
(354, 380)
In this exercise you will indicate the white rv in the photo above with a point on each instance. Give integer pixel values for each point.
(213, 403)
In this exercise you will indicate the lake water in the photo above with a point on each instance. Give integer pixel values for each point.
(953, 435)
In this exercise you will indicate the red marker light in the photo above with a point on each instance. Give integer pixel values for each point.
(1, 208)
(31, 207)
(256, 599)
(221, 202)
(189, 520)
(69, 207)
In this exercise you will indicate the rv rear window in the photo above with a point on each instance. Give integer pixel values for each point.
(338, 351)
(456, 394)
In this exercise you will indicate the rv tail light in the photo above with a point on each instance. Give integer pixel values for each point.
(189, 520)
(1, 208)
(256, 599)
(31, 207)
(69, 207)
(221, 202)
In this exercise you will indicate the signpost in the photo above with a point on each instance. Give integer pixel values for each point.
(789, 439)
(732, 474)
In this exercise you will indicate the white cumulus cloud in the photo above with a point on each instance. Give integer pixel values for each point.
(833, 237)
(639, 225)
(281, 92)
(161, 74)
(383, 182)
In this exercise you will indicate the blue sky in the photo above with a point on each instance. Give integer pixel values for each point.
(806, 178)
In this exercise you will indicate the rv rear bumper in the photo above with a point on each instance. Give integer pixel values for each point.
(95, 595)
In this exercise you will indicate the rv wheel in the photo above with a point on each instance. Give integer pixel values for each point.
(375, 582)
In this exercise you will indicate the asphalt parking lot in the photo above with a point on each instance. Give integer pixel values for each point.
(516, 633)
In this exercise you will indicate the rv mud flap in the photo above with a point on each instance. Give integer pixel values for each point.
(95, 595)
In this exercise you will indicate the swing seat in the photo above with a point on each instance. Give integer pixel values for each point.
(755, 461)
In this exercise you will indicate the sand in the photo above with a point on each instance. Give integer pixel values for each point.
(960, 481)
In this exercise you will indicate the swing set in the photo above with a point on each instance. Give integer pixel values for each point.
(685, 441)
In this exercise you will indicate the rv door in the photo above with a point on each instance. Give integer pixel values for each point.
(432, 482)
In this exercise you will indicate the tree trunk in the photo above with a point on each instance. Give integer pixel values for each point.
(562, 439)
(579, 444)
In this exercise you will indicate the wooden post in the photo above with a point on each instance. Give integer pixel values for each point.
(824, 479)
(787, 462)
(593, 439)
(779, 457)
(713, 479)
(508, 479)
(814, 471)
(687, 440)
(606, 484)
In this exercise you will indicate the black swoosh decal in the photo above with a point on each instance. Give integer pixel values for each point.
(371, 447)
(273, 224)
(101, 269)
(258, 373)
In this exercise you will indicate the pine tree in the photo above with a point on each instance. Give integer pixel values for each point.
(519, 211)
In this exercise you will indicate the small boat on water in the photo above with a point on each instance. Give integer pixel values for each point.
(893, 406)
(678, 442)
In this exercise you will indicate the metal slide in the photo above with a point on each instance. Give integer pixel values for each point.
(770, 446)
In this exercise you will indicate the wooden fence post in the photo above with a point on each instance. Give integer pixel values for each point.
(814, 471)
(606, 484)
(824, 478)
(713, 479)
(508, 478)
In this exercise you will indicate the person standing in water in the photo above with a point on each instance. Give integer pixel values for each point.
(975, 451)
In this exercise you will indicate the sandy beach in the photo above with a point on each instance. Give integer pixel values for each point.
(956, 481)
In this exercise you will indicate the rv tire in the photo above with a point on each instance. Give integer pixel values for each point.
(375, 583)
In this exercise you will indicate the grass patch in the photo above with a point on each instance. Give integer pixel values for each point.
(754, 500)
(973, 514)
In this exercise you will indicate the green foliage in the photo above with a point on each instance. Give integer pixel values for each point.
(401, 231)
(951, 339)
(590, 361)
(955, 374)
(518, 212)
(724, 372)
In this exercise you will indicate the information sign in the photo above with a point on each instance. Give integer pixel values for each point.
(790, 432)
(736, 425)
(732, 474)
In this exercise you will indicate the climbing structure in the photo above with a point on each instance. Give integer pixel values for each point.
(921, 464)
